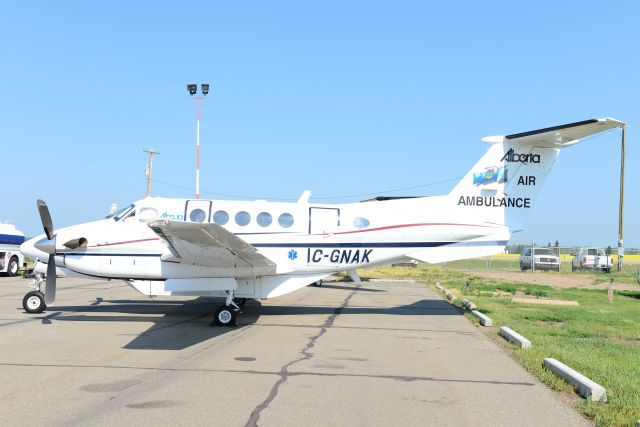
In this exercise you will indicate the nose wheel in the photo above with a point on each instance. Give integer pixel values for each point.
(33, 302)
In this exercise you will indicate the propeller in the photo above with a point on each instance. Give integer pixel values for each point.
(45, 217)
(48, 246)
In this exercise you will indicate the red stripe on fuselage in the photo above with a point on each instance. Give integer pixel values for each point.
(410, 225)
(124, 243)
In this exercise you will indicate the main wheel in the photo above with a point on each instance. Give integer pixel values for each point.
(317, 283)
(33, 302)
(13, 267)
(225, 316)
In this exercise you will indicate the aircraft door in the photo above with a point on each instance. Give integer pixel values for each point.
(197, 211)
(323, 220)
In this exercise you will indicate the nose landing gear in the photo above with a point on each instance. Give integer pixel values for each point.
(33, 302)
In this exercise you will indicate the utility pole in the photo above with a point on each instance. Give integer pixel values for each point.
(193, 90)
(149, 169)
(621, 208)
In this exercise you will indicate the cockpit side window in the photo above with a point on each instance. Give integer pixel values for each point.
(130, 215)
(117, 216)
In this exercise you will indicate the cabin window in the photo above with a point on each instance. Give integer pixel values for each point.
(221, 217)
(264, 219)
(285, 220)
(361, 222)
(243, 218)
(197, 215)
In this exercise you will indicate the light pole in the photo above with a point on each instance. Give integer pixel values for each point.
(621, 207)
(193, 90)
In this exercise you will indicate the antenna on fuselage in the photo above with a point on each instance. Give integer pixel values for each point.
(304, 197)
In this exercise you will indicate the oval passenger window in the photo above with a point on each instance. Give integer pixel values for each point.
(221, 217)
(285, 220)
(243, 218)
(264, 219)
(361, 222)
(197, 215)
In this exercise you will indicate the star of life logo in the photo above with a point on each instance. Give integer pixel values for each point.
(292, 255)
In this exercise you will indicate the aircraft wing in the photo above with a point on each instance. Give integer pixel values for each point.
(559, 136)
(208, 245)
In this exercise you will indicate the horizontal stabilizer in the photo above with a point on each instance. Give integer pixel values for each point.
(558, 136)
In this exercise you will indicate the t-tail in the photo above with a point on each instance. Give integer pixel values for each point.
(503, 186)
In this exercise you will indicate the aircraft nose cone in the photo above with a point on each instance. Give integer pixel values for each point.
(28, 249)
(46, 245)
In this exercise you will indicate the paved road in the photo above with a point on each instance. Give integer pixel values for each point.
(377, 354)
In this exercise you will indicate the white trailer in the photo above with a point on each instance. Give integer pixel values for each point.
(10, 256)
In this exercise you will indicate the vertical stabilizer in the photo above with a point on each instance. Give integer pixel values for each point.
(504, 184)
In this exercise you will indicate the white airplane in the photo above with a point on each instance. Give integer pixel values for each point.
(259, 249)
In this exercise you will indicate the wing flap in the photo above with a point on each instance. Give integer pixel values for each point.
(207, 245)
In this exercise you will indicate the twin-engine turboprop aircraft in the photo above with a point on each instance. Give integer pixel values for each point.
(260, 249)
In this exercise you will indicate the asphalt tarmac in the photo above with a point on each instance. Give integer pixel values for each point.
(342, 355)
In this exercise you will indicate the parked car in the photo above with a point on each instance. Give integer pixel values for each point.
(587, 258)
(539, 259)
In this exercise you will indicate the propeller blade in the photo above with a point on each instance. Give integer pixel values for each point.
(45, 217)
(50, 288)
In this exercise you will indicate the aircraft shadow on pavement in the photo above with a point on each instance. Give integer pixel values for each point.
(350, 288)
(186, 323)
(425, 307)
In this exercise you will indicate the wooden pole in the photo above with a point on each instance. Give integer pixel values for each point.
(150, 168)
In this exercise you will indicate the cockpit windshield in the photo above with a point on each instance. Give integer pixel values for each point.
(117, 216)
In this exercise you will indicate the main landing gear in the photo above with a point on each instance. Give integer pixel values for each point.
(226, 314)
(33, 302)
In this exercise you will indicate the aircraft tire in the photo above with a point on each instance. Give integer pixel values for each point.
(317, 283)
(225, 316)
(13, 267)
(33, 302)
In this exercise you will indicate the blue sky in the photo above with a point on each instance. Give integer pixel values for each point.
(342, 98)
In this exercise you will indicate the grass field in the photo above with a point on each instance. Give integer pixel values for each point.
(599, 339)
(629, 273)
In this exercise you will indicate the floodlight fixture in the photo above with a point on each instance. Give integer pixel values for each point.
(205, 89)
(192, 88)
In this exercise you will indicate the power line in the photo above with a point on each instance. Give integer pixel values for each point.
(245, 197)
